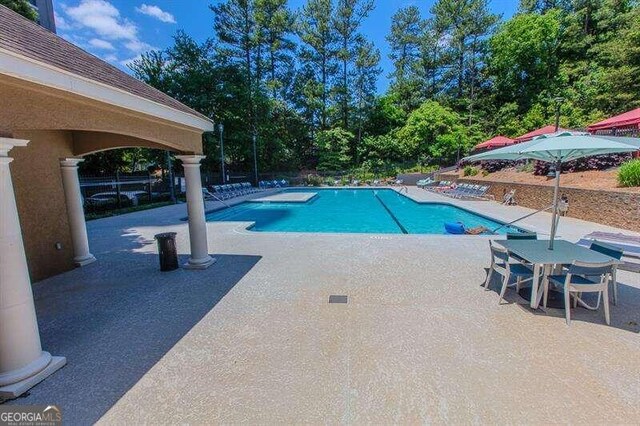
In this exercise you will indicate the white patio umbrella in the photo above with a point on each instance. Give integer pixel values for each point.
(557, 149)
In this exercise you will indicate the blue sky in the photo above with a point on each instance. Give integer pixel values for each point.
(119, 30)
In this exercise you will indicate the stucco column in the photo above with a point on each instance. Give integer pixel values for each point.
(200, 258)
(77, 224)
(23, 363)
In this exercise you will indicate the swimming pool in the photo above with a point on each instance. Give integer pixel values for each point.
(380, 211)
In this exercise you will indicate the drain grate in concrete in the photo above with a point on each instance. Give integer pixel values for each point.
(336, 298)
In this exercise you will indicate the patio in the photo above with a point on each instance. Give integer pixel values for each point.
(253, 339)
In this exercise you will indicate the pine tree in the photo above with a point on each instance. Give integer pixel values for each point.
(404, 42)
(349, 17)
(365, 75)
(319, 48)
(275, 23)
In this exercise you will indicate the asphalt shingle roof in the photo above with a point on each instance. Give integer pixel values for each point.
(24, 37)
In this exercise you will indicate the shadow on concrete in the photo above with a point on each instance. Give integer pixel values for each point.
(115, 319)
(625, 315)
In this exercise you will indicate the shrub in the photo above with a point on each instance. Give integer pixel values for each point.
(629, 173)
(495, 165)
(598, 162)
(330, 181)
(313, 180)
(470, 171)
(526, 167)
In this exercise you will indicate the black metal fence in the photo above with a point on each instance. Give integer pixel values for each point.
(102, 194)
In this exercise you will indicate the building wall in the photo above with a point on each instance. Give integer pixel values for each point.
(37, 183)
(60, 124)
(35, 107)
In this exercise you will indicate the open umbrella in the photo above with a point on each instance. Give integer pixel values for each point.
(557, 149)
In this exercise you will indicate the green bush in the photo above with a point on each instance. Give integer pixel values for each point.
(313, 180)
(629, 173)
(330, 181)
(470, 171)
(526, 167)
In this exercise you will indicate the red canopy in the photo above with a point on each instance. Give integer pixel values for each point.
(495, 142)
(539, 132)
(628, 119)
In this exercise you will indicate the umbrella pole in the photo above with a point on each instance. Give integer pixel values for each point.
(554, 217)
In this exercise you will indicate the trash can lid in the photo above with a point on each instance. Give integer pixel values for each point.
(165, 235)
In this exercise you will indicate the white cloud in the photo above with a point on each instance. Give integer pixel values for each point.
(98, 26)
(61, 23)
(103, 18)
(156, 12)
(137, 46)
(101, 44)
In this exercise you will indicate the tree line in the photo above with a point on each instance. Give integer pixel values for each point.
(303, 82)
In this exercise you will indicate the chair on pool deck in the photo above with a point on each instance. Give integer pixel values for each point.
(614, 252)
(500, 264)
(582, 278)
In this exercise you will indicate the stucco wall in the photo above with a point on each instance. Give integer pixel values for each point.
(33, 107)
(60, 124)
(615, 208)
(37, 183)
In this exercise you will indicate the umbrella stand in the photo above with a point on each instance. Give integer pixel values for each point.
(554, 217)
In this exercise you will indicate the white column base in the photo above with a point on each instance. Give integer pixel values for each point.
(84, 261)
(14, 390)
(200, 263)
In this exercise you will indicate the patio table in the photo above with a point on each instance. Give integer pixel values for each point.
(537, 253)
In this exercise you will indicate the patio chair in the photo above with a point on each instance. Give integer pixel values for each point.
(500, 264)
(614, 252)
(580, 278)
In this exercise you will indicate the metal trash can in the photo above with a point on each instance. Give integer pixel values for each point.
(167, 251)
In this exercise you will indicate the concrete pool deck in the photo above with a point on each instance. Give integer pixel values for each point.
(252, 339)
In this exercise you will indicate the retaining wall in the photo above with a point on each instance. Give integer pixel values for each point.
(615, 208)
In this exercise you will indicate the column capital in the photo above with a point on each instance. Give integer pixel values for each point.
(6, 144)
(191, 160)
(71, 162)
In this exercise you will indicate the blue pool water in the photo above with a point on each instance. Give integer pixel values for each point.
(382, 211)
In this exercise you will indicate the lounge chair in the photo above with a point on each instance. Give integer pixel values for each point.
(423, 182)
(629, 244)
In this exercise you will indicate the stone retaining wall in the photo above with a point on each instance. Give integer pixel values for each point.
(615, 208)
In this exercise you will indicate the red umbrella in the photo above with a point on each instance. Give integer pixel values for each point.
(630, 119)
(546, 130)
(495, 142)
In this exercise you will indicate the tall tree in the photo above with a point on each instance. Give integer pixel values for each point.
(348, 18)
(235, 26)
(365, 75)
(319, 48)
(275, 23)
(465, 24)
(523, 59)
(404, 42)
